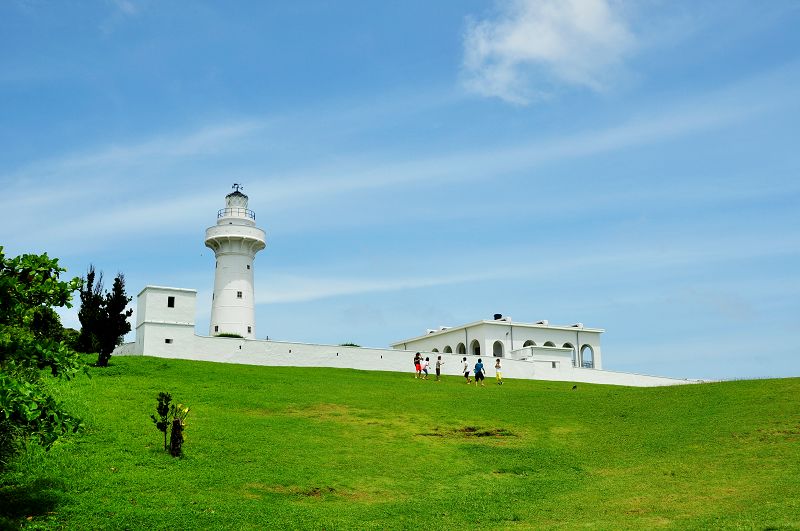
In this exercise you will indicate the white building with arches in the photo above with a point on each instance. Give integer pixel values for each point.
(540, 343)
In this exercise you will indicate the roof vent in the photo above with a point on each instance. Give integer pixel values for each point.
(544, 322)
(498, 316)
(429, 331)
(443, 328)
(577, 325)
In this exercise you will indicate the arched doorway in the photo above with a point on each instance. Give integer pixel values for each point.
(475, 348)
(587, 357)
(461, 349)
(448, 350)
(497, 349)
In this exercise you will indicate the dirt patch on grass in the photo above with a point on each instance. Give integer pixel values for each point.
(514, 471)
(469, 431)
(342, 414)
(258, 412)
(256, 491)
(319, 411)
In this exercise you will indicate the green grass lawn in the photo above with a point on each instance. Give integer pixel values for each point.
(270, 447)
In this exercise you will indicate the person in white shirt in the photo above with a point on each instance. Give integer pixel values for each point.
(466, 371)
(425, 364)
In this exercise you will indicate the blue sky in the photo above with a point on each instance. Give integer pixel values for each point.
(629, 165)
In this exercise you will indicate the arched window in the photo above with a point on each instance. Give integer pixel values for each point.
(497, 349)
(529, 343)
(475, 348)
(574, 354)
(448, 350)
(587, 357)
(549, 344)
(435, 350)
(461, 349)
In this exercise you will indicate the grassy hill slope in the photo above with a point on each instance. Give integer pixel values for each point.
(328, 448)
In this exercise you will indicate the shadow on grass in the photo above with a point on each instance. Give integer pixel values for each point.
(19, 502)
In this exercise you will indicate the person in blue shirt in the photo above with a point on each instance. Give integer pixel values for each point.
(479, 373)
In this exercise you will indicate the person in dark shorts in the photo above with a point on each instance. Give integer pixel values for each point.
(466, 371)
(479, 373)
(439, 364)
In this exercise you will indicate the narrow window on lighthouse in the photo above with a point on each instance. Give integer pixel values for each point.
(238, 294)
(249, 330)
(248, 266)
(216, 329)
(170, 302)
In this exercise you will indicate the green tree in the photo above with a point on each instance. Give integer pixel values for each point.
(103, 317)
(31, 350)
(90, 313)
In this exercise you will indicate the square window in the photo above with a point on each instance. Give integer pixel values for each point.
(167, 340)
(170, 302)
(248, 266)
(249, 330)
(238, 294)
(216, 329)
(554, 365)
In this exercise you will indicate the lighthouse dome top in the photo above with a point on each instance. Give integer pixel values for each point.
(236, 207)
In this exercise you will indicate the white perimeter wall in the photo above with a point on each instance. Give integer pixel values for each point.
(186, 345)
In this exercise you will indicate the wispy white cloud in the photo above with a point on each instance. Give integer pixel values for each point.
(535, 44)
(86, 178)
(600, 262)
(294, 288)
(163, 172)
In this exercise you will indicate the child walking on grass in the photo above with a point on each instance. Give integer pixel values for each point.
(439, 364)
(466, 371)
(425, 364)
(498, 372)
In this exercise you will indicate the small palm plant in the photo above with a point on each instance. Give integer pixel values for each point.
(179, 414)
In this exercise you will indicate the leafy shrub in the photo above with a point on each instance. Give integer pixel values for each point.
(171, 418)
(31, 349)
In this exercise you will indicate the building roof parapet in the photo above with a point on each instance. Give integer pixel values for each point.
(167, 288)
(502, 323)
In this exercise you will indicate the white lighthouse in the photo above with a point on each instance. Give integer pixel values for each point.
(235, 240)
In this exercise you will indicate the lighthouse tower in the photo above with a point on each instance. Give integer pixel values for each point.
(235, 240)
